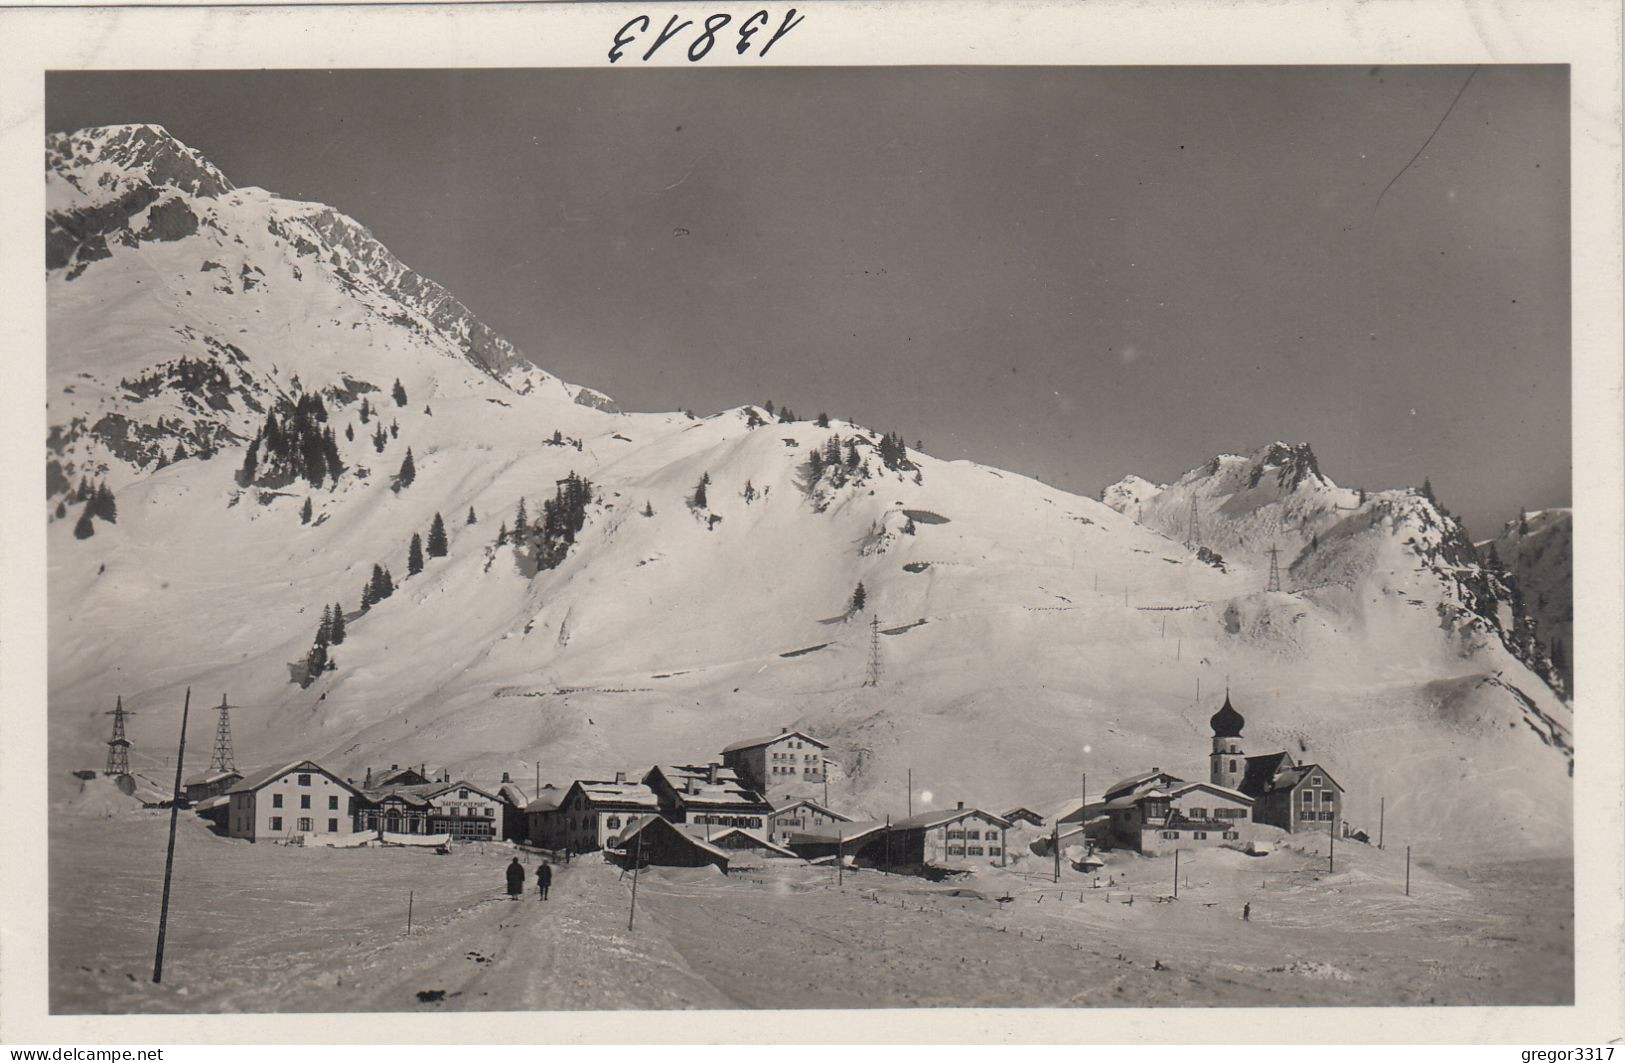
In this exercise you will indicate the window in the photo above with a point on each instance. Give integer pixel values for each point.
(490, 813)
(1170, 834)
(956, 850)
(756, 821)
(973, 834)
(1197, 813)
(1308, 797)
(1200, 835)
(1325, 797)
(956, 834)
(975, 850)
(462, 795)
(276, 822)
(304, 823)
(332, 826)
(1231, 835)
(994, 850)
(304, 780)
(333, 803)
(613, 822)
(1232, 765)
(1315, 781)
(276, 800)
(1326, 816)
(304, 800)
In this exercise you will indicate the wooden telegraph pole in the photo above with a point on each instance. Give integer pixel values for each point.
(1056, 845)
(911, 791)
(1331, 854)
(840, 856)
(169, 857)
(1407, 871)
(1176, 874)
(636, 862)
(1382, 819)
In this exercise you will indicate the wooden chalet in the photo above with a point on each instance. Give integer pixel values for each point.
(592, 813)
(800, 816)
(946, 837)
(653, 840)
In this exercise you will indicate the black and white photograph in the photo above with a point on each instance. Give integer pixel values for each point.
(633, 537)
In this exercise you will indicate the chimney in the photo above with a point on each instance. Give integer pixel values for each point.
(688, 786)
(394, 767)
(423, 769)
(961, 804)
(711, 773)
(620, 778)
(505, 777)
(368, 784)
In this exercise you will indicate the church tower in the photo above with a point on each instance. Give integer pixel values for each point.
(1227, 763)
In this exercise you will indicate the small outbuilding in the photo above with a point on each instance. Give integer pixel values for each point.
(655, 841)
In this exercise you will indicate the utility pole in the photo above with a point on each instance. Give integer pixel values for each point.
(1195, 529)
(840, 856)
(1331, 854)
(1275, 571)
(1056, 845)
(911, 791)
(1382, 818)
(1176, 874)
(825, 766)
(118, 747)
(169, 857)
(1407, 871)
(636, 862)
(223, 759)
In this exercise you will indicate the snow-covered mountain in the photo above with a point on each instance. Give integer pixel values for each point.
(1537, 551)
(212, 351)
(1331, 540)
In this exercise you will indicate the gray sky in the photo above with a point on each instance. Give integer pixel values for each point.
(1074, 273)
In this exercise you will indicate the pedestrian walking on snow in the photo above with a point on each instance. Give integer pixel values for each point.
(544, 879)
(1247, 912)
(516, 880)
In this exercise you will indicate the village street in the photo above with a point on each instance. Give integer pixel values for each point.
(265, 927)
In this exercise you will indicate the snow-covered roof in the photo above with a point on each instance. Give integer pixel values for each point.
(1129, 800)
(695, 789)
(752, 743)
(1024, 813)
(846, 834)
(938, 817)
(511, 793)
(616, 794)
(254, 782)
(807, 802)
(1136, 780)
(208, 804)
(1213, 787)
(642, 823)
(755, 841)
(212, 776)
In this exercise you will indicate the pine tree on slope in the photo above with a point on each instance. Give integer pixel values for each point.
(414, 556)
(437, 537)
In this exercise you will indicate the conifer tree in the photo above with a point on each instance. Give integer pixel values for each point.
(699, 493)
(106, 508)
(85, 528)
(180, 453)
(823, 420)
(1427, 490)
(399, 393)
(815, 464)
(379, 440)
(648, 508)
(1362, 496)
(471, 518)
(336, 629)
(368, 598)
(558, 438)
(61, 509)
(349, 432)
(502, 534)
(306, 512)
(1560, 656)
(324, 634)
(250, 462)
(437, 538)
(908, 529)
(394, 428)
(330, 451)
(414, 556)
(428, 412)
(749, 492)
(860, 598)
(408, 471)
(521, 520)
(769, 407)
(366, 410)
(785, 416)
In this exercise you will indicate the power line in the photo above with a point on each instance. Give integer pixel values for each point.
(223, 759)
(876, 668)
(118, 747)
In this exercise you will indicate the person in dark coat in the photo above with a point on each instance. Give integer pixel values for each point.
(544, 879)
(516, 879)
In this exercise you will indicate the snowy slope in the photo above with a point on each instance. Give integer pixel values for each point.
(1025, 634)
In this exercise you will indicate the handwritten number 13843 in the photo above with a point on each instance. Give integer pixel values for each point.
(637, 30)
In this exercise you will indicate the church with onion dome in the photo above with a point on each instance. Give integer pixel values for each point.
(1285, 794)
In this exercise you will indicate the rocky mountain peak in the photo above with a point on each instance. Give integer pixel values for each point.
(100, 162)
(1289, 463)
